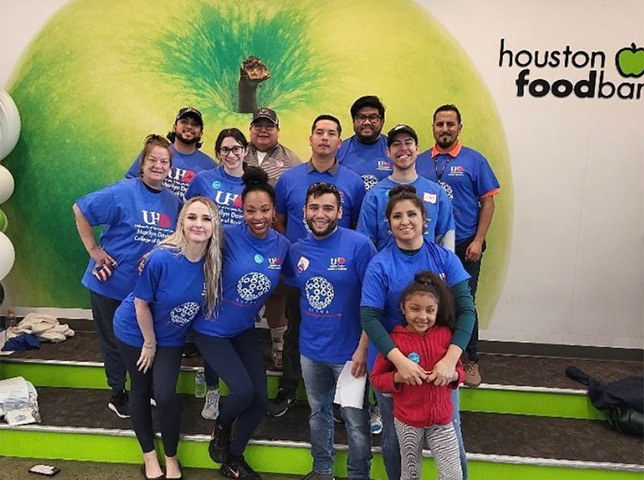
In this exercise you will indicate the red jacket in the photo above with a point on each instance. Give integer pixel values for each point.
(418, 405)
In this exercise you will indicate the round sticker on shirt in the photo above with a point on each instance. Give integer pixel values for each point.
(414, 357)
(183, 314)
(216, 184)
(279, 163)
(258, 258)
(252, 286)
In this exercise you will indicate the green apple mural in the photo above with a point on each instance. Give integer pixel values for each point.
(630, 61)
(102, 75)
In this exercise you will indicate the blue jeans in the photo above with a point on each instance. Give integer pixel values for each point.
(320, 380)
(390, 447)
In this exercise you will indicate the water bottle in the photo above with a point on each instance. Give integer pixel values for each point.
(200, 383)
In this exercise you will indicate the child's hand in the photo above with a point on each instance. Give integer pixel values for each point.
(443, 373)
(410, 373)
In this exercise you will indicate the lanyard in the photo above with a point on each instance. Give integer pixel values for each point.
(440, 174)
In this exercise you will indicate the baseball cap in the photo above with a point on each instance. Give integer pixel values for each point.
(268, 114)
(190, 111)
(401, 128)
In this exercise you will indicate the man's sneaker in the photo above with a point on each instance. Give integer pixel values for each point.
(472, 374)
(237, 468)
(337, 414)
(219, 442)
(283, 401)
(120, 404)
(312, 475)
(211, 406)
(376, 420)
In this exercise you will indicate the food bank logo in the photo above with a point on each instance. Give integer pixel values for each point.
(598, 82)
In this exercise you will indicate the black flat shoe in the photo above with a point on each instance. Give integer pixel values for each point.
(160, 477)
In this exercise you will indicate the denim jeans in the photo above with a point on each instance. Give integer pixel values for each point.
(320, 380)
(390, 446)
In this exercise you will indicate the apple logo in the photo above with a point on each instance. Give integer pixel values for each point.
(100, 76)
(630, 61)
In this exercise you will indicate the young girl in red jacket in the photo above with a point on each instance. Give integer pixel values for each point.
(423, 412)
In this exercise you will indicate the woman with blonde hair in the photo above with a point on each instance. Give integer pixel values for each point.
(180, 279)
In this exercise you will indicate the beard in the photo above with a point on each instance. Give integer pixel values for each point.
(326, 232)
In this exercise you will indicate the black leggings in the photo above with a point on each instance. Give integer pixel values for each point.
(240, 364)
(163, 374)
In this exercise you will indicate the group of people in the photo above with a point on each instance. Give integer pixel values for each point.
(368, 253)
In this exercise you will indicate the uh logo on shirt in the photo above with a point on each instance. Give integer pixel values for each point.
(181, 175)
(228, 199)
(156, 219)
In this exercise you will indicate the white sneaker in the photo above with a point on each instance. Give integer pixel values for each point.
(376, 420)
(211, 407)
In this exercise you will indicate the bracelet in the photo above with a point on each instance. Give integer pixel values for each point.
(149, 348)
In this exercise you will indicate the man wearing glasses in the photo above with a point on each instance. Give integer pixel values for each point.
(366, 152)
(290, 193)
(187, 159)
(265, 150)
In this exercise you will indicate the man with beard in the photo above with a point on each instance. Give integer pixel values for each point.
(290, 192)
(470, 182)
(328, 265)
(366, 152)
(265, 150)
(402, 149)
(187, 159)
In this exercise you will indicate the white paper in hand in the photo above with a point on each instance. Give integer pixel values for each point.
(349, 391)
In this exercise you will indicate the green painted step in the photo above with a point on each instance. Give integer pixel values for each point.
(294, 458)
(548, 402)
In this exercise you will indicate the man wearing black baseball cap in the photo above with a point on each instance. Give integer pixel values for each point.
(402, 149)
(265, 150)
(187, 159)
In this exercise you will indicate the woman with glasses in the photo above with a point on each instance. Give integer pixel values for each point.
(223, 185)
(136, 214)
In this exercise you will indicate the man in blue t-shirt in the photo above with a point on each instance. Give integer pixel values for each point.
(290, 193)
(402, 148)
(187, 159)
(366, 152)
(328, 266)
(470, 182)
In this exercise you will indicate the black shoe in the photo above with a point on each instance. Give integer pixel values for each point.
(237, 468)
(337, 414)
(283, 401)
(219, 442)
(190, 350)
(120, 404)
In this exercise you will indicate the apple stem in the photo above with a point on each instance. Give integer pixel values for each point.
(252, 72)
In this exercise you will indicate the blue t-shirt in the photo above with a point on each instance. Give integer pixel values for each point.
(184, 169)
(135, 220)
(328, 272)
(174, 287)
(223, 189)
(369, 160)
(465, 178)
(391, 271)
(251, 271)
(290, 193)
(374, 224)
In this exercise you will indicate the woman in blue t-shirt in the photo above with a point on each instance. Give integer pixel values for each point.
(253, 257)
(136, 214)
(181, 277)
(387, 276)
(223, 184)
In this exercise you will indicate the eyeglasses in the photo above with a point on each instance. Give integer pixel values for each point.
(236, 150)
(363, 118)
(258, 127)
